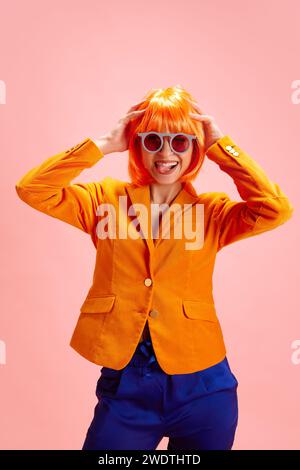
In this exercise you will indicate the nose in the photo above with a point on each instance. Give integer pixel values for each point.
(166, 148)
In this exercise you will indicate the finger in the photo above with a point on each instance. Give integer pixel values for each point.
(136, 113)
(197, 107)
(137, 104)
(133, 114)
(201, 117)
(193, 103)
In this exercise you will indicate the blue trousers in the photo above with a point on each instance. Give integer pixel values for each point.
(140, 404)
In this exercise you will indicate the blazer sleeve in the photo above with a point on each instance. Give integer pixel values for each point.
(47, 187)
(264, 207)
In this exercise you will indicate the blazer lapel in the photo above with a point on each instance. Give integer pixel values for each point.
(140, 196)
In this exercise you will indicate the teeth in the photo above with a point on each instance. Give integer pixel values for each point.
(167, 164)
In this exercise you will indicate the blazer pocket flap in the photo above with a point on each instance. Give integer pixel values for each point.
(200, 310)
(98, 304)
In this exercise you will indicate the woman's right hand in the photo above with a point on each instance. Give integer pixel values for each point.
(116, 140)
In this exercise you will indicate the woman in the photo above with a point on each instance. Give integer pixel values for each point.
(149, 317)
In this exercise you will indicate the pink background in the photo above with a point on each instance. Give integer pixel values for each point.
(71, 70)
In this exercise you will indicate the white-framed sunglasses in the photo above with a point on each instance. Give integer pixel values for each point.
(153, 141)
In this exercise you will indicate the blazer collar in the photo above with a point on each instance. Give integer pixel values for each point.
(141, 195)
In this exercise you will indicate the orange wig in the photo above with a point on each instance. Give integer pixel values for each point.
(167, 109)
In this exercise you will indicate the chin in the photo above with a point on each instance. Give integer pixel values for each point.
(165, 180)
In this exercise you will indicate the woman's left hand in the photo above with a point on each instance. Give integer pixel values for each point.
(211, 130)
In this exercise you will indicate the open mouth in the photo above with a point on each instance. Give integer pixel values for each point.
(166, 168)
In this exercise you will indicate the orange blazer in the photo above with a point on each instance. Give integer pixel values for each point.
(143, 278)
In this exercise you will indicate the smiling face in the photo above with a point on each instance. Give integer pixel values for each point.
(165, 166)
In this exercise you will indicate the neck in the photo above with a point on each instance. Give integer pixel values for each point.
(164, 193)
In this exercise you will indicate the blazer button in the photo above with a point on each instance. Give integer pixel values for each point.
(228, 147)
(147, 282)
(153, 313)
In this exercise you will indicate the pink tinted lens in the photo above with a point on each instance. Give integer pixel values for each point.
(152, 142)
(180, 143)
